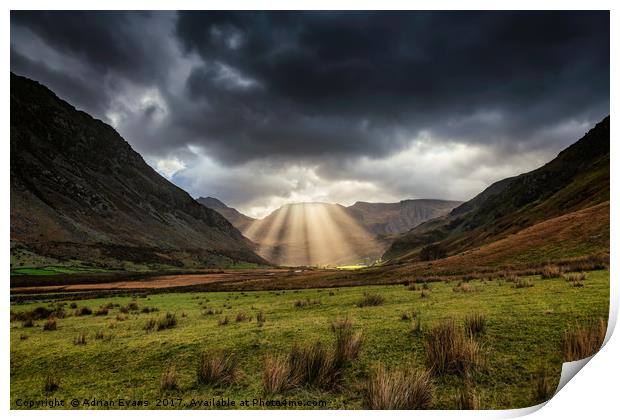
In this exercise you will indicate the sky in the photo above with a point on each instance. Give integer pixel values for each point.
(259, 109)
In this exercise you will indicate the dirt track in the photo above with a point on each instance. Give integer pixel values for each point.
(176, 280)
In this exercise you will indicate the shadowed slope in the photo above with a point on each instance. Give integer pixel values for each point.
(576, 179)
(80, 192)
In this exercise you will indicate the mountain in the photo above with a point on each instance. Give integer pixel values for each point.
(330, 234)
(80, 193)
(386, 219)
(238, 219)
(577, 179)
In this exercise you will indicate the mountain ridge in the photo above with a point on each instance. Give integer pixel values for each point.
(577, 178)
(77, 188)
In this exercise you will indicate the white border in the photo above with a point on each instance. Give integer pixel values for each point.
(593, 394)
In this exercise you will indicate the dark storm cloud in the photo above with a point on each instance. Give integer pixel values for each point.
(89, 57)
(326, 90)
(397, 71)
(108, 41)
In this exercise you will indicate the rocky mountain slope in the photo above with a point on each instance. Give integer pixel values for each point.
(578, 178)
(238, 219)
(80, 193)
(386, 219)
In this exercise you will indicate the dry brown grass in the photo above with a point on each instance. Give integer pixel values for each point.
(467, 398)
(551, 272)
(407, 389)
(450, 350)
(573, 277)
(277, 375)
(306, 302)
(80, 339)
(581, 341)
(475, 324)
(313, 364)
(417, 323)
(150, 325)
(371, 299)
(169, 379)
(84, 311)
(51, 383)
(522, 283)
(168, 321)
(260, 318)
(348, 341)
(543, 389)
(465, 288)
(217, 369)
(241, 317)
(102, 311)
(50, 324)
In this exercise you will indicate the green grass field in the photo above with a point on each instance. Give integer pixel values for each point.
(525, 327)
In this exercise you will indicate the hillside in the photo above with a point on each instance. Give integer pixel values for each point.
(385, 219)
(81, 195)
(576, 179)
(238, 219)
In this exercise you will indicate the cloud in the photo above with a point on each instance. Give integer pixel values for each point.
(265, 107)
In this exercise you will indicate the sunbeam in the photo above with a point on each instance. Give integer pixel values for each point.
(313, 234)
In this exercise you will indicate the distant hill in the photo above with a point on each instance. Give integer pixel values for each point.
(330, 234)
(238, 219)
(81, 194)
(577, 179)
(386, 219)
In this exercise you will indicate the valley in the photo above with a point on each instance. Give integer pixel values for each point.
(476, 304)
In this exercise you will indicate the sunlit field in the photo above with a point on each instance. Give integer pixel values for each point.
(128, 347)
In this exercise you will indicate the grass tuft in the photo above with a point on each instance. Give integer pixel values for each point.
(543, 389)
(348, 342)
(217, 369)
(50, 324)
(522, 283)
(475, 324)
(167, 322)
(102, 311)
(398, 390)
(169, 379)
(277, 375)
(371, 299)
(51, 383)
(80, 339)
(551, 272)
(449, 350)
(581, 341)
(84, 311)
(241, 317)
(150, 325)
(467, 398)
(260, 318)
